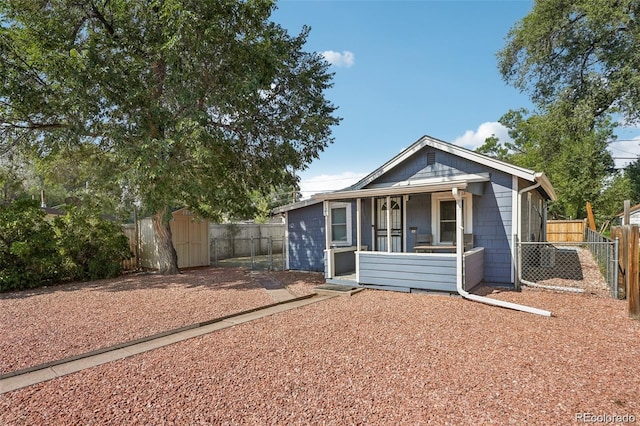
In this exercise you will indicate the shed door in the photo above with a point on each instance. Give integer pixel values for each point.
(190, 241)
(180, 234)
(197, 243)
(382, 225)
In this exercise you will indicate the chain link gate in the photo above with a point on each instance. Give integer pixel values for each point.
(266, 253)
(589, 266)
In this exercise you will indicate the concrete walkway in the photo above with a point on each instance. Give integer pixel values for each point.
(52, 370)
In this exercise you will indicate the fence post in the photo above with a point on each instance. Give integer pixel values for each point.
(270, 250)
(633, 291)
(614, 268)
(215, 251)
(253, 249)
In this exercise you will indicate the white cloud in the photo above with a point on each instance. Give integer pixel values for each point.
(473, 139)
(624, 151)
(328, 182)
(345, 59)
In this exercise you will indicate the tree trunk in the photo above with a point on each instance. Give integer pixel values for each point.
(167, 256)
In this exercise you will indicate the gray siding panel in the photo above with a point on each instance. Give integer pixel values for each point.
(306, 238)
(424, 272)
(473, 268)
(419, 271)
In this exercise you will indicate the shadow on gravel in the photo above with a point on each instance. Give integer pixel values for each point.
(207, 278)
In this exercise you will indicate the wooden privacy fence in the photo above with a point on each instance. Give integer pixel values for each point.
(563, 231)
(629, 257)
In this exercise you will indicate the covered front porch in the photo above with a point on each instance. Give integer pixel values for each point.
(387, 248)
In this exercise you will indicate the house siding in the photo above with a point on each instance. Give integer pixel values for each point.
(492, 227)
(406, 271)
(306, 238)
(418, 207)
(416, 167)
(493, 215)
(492, 211)
(532, 217)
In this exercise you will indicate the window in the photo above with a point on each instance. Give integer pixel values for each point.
(443, 217)
(447, 222)
(340, 224)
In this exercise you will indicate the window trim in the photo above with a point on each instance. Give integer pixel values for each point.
(349, 229)
(467, 212)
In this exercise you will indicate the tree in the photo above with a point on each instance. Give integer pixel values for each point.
(579, 62)
(192, 103)
(583, 52)
(611, 201)
(632, 173)
(565, 147)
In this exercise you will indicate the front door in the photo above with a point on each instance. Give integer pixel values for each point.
(382, 224)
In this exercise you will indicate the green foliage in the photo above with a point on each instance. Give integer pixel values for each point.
(185, 103)
(578, 60)
(610, 202)
(566, 147)
(91, 247)
(78, 246)
(632, 173)
(582, 52)
(28, 253)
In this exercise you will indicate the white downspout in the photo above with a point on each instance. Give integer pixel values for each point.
(460, 263)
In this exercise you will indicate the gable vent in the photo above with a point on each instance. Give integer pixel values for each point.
(431, 158)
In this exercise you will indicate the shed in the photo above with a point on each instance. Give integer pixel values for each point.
(190, 236)
(634, 216)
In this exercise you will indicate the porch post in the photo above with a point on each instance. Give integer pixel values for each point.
(328, 272)
(327, 224)
(358, 223)
(389, 233)
(457, 194)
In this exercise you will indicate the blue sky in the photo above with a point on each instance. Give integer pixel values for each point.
(404, 69)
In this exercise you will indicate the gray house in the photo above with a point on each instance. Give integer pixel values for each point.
(434, 217)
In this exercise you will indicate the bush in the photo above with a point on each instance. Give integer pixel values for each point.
(28, 253)
(78, 246)
(91, 247)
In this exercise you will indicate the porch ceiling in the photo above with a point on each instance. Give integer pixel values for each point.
(440, 184)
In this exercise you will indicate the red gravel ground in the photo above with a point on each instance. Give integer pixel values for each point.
(374, 358)
(57, 322)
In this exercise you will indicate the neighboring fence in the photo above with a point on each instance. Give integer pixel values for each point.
(568, 266)
(258, 246)
(256, 253)
(629, 278)
(130, 264)
(234, 240)
(559, 231)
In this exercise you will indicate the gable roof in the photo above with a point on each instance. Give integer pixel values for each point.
(428, 141)
(359, 189)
